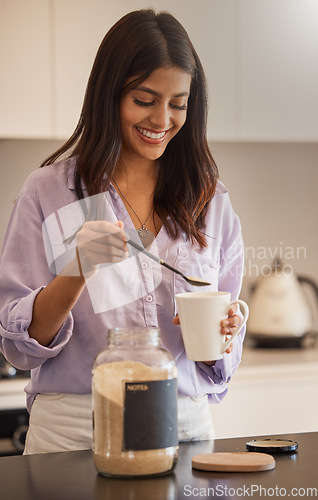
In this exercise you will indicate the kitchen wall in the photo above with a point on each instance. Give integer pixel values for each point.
(273, 188)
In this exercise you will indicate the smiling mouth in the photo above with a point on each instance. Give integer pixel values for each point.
(151, 135)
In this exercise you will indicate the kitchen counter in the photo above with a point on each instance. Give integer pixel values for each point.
(273, 391)
(69, 475)
(258, 357)
(12, 393)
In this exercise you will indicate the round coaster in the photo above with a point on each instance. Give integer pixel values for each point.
(245, 461)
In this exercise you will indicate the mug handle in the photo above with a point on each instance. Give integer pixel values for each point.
(240, 326)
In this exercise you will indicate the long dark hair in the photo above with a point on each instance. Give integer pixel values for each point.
(135, 46)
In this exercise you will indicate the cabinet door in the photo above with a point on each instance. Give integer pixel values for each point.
(79, 30)
(273, 399)
(278, 79)
(25, 84)
(259, 57)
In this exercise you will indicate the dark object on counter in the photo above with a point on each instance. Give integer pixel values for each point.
(270, 445)
(306, 341)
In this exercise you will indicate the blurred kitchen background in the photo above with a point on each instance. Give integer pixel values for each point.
(260, 59)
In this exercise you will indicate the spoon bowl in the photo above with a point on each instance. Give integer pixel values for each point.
(193, 280)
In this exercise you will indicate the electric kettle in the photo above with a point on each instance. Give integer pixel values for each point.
(281, 312)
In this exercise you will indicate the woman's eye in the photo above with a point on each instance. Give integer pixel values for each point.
(142, 103)
(182, 107)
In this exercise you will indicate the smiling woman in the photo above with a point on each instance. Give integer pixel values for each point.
(157, 73)
(152, 114)
(138, 163)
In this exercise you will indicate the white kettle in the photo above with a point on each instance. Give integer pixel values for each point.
(279, 306)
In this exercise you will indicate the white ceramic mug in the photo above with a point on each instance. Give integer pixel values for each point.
(200, 315)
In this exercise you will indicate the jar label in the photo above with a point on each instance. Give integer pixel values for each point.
(150, 415)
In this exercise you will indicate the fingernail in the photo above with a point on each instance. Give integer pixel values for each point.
(125, 237)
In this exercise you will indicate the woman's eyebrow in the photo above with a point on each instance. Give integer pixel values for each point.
(157, 94)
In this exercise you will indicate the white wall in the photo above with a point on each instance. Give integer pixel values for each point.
(273, 188)
(17, 160)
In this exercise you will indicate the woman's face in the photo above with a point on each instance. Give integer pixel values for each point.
(153, 113)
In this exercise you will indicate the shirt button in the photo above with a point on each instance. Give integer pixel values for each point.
(144, 265)
(149, 298)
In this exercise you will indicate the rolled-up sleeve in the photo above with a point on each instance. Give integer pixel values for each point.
(23, 274)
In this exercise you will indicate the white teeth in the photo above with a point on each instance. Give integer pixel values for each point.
(151, 135)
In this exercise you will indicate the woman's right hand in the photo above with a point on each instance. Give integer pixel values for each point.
(100, 242)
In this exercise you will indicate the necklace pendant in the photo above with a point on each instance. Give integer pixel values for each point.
(143, 231)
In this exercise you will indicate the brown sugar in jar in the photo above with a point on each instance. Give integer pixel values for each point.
(134, 406)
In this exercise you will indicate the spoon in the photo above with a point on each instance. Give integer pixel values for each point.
(190, 279)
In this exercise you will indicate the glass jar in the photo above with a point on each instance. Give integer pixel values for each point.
(135, 427)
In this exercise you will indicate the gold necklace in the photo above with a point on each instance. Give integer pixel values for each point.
(143, 231)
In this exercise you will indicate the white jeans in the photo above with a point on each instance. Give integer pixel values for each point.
(63, 422)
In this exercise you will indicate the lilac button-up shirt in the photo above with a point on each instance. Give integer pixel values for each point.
(135, 292)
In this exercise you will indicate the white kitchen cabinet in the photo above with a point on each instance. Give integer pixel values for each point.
(259, 57)
(26, 84)
(260, 60)
(270, 398)
(79, 29)
(278, 70)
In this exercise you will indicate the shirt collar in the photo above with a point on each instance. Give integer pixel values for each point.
(220, 188)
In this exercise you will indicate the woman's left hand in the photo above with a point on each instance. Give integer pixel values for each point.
(229, 324)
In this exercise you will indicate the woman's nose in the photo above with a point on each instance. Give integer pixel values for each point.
(161, 117)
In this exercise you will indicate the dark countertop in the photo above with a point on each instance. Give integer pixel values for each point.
(68, 475)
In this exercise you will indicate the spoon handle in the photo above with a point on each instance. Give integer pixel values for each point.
(154, 257)
(173, 269)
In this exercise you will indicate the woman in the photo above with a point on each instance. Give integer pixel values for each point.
(138, 164)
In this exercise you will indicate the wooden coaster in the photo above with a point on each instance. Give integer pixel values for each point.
(234, 462)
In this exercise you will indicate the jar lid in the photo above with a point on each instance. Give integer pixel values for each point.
(270, 445)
